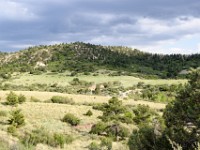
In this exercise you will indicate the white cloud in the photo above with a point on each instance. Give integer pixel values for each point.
(172, 26)
(164, 27)
(10, 10)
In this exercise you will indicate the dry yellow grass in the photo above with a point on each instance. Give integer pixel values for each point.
(80, 99)
(62, 80)
(49, 115)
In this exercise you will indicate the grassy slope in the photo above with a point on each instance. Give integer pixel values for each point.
(48, 115)
(63, 79)
(80, 99)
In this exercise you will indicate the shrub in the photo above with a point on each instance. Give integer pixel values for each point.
(113, 131)
(71, 119)
(143, 114)
(59, 139)
(127, 117)
(21, 99)
(11, 129)
(113, 110)
(62, 100)
(117, 131)
(98, 128)
(106, 143)
(145, 138)
(37, 136)
(12, 99)
(98, 106)
(89, 113)
(123, 133)
(94, 146)
(43, 136)
(182, 116)
(17, 118)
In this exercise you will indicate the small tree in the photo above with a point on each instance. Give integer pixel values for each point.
(17, 118)
(182, 116)
(113, 110)
(12, 99)
(89, 113)
(21, 98)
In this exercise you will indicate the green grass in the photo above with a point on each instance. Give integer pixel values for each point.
(63, 79)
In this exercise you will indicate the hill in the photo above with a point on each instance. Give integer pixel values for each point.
(84, 57)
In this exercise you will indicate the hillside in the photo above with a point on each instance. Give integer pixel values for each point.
(81, 57)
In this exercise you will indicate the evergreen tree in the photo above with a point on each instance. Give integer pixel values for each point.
(182, 116)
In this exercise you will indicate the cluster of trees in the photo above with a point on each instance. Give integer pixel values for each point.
(159, 93)
(82, 57)
(181, 128)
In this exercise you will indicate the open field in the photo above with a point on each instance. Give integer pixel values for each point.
(63, 79)
(49, 115)
(80, 99)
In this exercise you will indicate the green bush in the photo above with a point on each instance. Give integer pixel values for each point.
(11, 129)
(113, 130)
(71, 119)
(37, 136)
(98, 128)
(89, 113)
(106, 143)
(62, 100)
(98, 106)
(21, 99)
(12, 99)
(123, 133)
(113, 110)
(43, 136)
(182, 116)
(94, 146)
(127, 117)
(16, 119)
(117, 131)
(59, 139)
(143, 114)
(145, 138)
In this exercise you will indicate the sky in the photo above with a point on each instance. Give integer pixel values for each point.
(156, 26)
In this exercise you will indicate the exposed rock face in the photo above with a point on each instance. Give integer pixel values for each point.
(40, 64)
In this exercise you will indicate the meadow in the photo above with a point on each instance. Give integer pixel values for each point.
(63, 79)
(41, 113)
(45, 115)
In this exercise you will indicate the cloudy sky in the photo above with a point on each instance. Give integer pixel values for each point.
(158, 26)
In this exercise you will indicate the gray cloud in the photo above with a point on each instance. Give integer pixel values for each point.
(108, 22)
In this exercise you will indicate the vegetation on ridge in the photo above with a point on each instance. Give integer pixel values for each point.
(82, 57)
